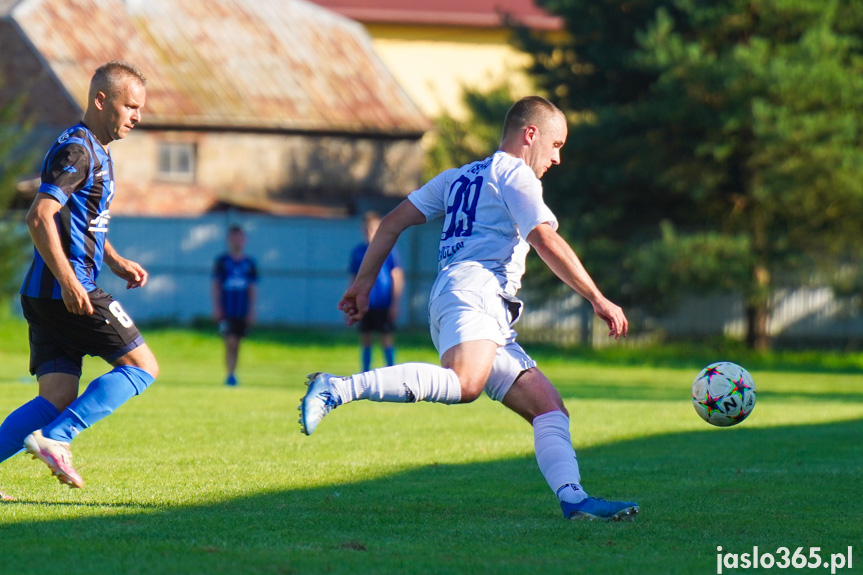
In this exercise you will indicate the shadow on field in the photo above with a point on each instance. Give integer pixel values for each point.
(48, 503)
(735, 487)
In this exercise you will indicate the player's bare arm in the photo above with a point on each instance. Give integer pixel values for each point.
(216, 294)
(564, 262)
(398, 276)
(46, 238)
(134, 274)
(251, 317)
(355, 301)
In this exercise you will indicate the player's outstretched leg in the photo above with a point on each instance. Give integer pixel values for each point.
(319, 400)
(403, 383)
(56, 455)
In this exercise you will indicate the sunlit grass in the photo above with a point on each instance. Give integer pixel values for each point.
(193, 477)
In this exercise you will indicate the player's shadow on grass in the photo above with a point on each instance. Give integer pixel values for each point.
(735, 487)
(50, 503)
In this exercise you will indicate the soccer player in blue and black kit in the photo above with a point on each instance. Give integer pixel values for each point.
(68, 315)
(384, 299)
(235, 278)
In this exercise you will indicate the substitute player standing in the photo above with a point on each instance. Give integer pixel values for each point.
(384, 299)
(68, 315)
(493, 212)
(234, 290)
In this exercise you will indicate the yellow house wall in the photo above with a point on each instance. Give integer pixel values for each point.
(433, 64)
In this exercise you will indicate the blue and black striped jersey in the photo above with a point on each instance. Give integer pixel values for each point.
(78, 173)
(235, 277)
(381, 296)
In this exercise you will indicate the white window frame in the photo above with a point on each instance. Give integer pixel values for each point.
(176, 154)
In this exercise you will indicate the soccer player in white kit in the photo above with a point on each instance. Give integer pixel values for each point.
(493, 213)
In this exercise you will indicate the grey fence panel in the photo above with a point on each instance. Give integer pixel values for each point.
(704, 316)
(805, 314)
(303, 263)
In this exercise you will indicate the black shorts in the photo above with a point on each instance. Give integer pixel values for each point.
(237, 326)
(376, 320)
(59, 340)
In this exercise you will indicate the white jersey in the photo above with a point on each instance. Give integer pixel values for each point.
(490, 207)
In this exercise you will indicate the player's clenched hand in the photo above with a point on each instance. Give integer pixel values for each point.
(354, 304)
(134, 274)
(613, 317)
(76, 299)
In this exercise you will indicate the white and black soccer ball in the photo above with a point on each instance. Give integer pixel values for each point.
(723, 394)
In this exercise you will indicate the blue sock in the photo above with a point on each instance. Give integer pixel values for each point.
(102, 397)
(22, 422)
(390, 355)
(367, 358)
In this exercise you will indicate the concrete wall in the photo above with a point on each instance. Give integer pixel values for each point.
(302, 263)
(303, 267)
(253, 169)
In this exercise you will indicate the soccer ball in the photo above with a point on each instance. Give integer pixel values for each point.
(723, 394)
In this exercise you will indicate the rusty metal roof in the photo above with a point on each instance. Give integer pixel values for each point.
(247, 64)
(479, 13)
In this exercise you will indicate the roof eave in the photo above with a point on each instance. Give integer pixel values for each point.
(404, 134)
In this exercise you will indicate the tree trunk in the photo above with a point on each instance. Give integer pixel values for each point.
(757, 337)
(758, 311)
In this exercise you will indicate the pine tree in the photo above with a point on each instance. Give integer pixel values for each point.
(715, 145)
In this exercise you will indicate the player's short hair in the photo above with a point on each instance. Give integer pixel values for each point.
(531, 110)
(235, 229)
(371, 216)
(111, 76)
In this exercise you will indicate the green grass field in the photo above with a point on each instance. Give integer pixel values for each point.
(193, 477)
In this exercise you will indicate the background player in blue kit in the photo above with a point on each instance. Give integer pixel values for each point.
(68, 315)
(235, 278)
(493, 213)
(384, 299)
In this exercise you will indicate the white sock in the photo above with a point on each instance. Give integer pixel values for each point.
(571, 493)
(556, 457)
(403, 383)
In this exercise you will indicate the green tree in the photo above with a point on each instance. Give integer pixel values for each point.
(457, 141)
(14, 162)
(716, 144)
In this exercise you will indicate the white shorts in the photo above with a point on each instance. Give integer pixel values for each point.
(467, 315)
